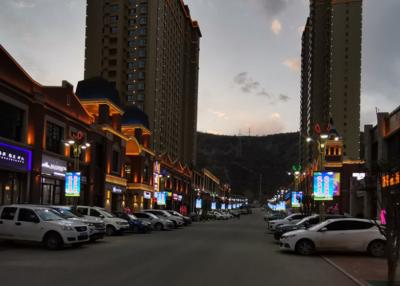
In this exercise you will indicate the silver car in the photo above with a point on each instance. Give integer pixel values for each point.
(157, 223)
(178, 221)
(97, 227)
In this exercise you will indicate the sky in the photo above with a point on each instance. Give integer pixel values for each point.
(249, 81)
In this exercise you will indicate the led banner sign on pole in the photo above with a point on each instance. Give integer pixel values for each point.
(222, 206)
(213, 205)
(326, 185)
(161, 198)
(198, 203)
(73, 184)
(147, 195)
(296, 199)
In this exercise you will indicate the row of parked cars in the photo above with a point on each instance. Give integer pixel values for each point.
(58, 226)
(307, 235)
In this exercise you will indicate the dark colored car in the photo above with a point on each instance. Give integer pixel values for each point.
(302, 224)
(187, 220)
(136, 225)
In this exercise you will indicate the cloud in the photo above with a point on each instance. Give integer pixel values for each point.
(292, 63)
(270, 125)
(276, 27)
(22, 4)
(246, 83)
(219, 114)
(274, 7)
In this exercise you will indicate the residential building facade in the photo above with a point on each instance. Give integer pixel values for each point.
(331, 75)
(150, 51)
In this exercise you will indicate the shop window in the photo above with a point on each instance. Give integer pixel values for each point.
(54, 137)
(11, 121)
(115, 162)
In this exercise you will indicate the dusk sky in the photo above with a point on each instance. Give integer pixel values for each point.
(249, 58)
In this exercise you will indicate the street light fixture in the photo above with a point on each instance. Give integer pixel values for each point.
(324, 136)
(308, 139)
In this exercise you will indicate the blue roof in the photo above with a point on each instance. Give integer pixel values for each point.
(97, 88)
(134, 115)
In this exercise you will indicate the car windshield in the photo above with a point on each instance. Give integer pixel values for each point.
(152, 215)
(48, 215)
(65, 213)
(131, 216)
(106, 213)
(304, 220)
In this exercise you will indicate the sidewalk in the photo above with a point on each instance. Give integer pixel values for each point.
(365, 270)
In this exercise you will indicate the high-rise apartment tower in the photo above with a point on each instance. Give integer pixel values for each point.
(150, 50)
(331, 74)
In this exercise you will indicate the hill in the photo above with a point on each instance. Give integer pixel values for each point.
(239, 160)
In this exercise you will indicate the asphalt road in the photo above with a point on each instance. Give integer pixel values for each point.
(234, 252)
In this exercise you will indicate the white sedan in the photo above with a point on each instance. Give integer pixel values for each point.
(290, 219)
(348, 234)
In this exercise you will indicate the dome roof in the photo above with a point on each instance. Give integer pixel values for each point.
(134, 115)
(97, 88)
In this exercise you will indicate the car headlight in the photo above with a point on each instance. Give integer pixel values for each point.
(67, 228)
(288, 235)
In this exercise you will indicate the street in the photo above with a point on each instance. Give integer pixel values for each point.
(234, 252)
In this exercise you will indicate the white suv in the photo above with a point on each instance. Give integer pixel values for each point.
(40, 224)
(113, 223)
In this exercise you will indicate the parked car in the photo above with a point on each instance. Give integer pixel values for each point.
(224, 215)
(346, 234)
(158, 223)
(136, 225)
(235, 213)
(40, 224)
(292, 219)
(113, 224)
(97, 227)
(306, 222)
(187, 220)
(218, 215)
(178, 221)
(273, 216)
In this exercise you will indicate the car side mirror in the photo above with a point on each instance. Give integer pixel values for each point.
(324, 229)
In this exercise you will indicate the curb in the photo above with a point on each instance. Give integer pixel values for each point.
(351, 277)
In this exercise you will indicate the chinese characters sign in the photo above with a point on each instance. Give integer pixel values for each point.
(326, 185)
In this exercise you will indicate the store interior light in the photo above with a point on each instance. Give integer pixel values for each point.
(324, 136)
(83, 147)
(87, 145)
(66, 144)
(336, 138)
(71, 142)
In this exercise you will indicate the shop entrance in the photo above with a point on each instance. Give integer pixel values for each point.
(52, 190)
(116, 202)
(12, 185)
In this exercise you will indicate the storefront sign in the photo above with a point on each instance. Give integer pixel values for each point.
(15, 158)
(161, 198)
(359, 176)
(175, 197)
(53, 166)
(73, 184)
(117, 190)
(391, 180)
(147, 195)
(180, 197)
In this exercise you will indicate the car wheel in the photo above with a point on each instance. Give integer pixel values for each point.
(53, 241)
(305, 247)
(377, 248)
(110, 230)
(158, 226)
(175, 224)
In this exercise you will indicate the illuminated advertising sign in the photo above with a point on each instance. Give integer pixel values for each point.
(326, 185)
(147, 195)
(72, 184)
(280, 206)
(222, 206)
(180, 197)
(229, 206)
(198, 203)
(296, 199)
(161, 198)
(156, 176)
(15, 158)
(175, 197)
(213, 205)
